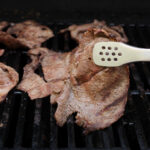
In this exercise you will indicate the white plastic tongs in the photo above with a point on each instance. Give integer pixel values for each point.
(113, 54)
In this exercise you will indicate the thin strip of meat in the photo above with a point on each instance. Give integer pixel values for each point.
(77, 31)
(8, 79)
(27, 34)
(32, 83)
(37, 86)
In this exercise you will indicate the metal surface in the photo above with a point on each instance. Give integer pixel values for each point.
(28, 125)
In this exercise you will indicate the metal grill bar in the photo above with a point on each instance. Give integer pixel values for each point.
(71, 136)
(138, 126)
(21, 121)
(122, 136)
(36, 124)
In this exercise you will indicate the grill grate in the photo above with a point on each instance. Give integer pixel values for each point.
(30, 124)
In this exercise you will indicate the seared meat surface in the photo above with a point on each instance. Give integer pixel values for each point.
(54, 70)
(97, 94)
(32, 83)
(28, 34)
(77, 31)
(8, 79)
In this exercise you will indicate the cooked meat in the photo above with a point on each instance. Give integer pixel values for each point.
(98, 102)
(55, 67)
(3, 25)
(2, 52)
(35, 86)
(9, 41)
(39, 87)
(27, 34)
(32, 83)
(77, 31)
(117, 32)
(8, 80)
(97, 94)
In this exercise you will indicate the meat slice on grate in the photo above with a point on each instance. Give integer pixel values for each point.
(32, 83)
(3, 25)
(98, 102)
(8, 79)
(77, 31)
(97, 94)
(28, 34)
(37, 86)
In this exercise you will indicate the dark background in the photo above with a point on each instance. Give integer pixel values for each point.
(120, 11)
(79, 5)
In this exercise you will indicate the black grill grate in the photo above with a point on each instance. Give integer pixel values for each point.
(27, 124)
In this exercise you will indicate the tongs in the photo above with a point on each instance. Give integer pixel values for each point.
(113, 54)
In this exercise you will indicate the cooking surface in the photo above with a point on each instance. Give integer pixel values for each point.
(30, 124)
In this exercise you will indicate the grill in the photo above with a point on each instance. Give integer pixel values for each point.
(26, 124)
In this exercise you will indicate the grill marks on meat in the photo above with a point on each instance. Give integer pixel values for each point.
(97, 94)
(98, 102)
(77, 31)
(8, 80)
(27, 34)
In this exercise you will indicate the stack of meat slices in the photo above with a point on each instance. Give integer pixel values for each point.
(27, 34)
(97, 94)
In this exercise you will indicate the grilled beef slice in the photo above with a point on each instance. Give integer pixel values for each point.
(8, 79)
(76, 31)
(97, 94)
(27, 34)
(53, 69)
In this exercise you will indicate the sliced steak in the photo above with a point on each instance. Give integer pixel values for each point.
(32, 83)
(77, 31)
(28, 34)
(98, 102)
(37, 86)
(8, 80)
(97, 94)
